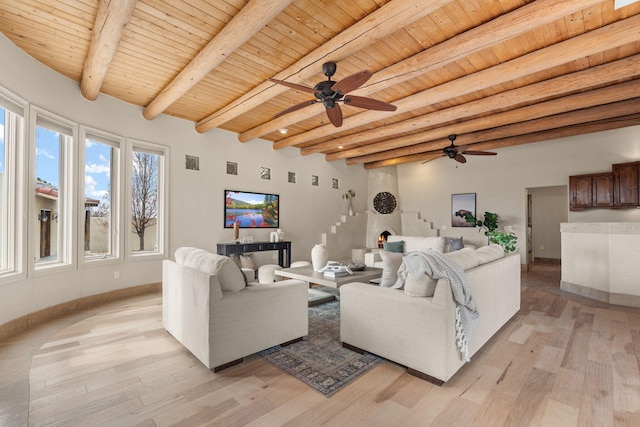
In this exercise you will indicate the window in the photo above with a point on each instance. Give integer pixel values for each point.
(52, 192)
(99, 212)
(147, 198)
(11, 143)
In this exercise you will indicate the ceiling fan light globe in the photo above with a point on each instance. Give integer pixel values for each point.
(329, 69)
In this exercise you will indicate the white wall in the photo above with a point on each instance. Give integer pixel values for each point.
(500, 182)
(196, 197)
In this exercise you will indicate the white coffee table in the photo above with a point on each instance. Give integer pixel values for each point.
(309, 275)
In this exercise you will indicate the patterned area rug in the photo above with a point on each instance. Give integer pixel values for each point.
(320, 360)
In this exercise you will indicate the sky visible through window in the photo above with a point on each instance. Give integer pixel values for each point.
(97, 169)
(97, 163)
(48, 156)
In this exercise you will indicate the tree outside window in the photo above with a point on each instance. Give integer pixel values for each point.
(144, 200)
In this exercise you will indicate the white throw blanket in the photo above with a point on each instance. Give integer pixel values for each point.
(437, 266)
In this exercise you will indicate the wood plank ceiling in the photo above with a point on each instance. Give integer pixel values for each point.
(497, 73)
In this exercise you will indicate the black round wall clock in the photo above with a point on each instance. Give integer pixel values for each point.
(384, 202)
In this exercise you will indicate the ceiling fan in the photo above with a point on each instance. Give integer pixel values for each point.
(456, 152)
(330, 93)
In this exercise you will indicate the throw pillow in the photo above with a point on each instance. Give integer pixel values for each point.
(394, 246)
(452, 244)
(236, 258)
(390, 264)
(423, 286)
(230, 276)
(247, 261)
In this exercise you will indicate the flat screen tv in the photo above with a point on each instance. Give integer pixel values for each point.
(251, 210)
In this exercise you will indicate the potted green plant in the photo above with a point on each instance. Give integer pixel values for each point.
(507, 240)
(489, 224)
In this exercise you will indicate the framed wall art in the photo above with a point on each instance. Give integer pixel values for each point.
(461, 205)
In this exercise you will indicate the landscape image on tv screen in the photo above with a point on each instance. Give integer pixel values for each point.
(250, 210)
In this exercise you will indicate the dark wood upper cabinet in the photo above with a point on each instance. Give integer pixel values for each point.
(626, 185)
(617, 189)
(580, 192)
(603, 190)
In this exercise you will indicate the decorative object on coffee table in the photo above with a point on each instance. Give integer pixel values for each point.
(319, 256)
(354, 266)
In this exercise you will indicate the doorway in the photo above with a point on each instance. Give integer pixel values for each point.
(547, 208)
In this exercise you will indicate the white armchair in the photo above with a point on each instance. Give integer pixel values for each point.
(208, 307)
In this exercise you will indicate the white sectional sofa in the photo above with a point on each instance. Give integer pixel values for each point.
(209, 308)
(419, 331)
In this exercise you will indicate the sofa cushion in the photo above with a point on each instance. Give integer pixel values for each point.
(394, 246)
(452, 244)
(466, 258)
(227, 272)
(390, 264)
(489, 253)
(423, 286)
(419, 243)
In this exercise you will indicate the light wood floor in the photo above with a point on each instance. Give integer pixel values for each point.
(561, 361)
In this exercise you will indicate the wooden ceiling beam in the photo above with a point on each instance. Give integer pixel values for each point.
(476, 132)
(492, 33)
(405, 145)
(111, 19)
(581, 129)
(388, 19)
(609, 37)
(244, 25)
(607, 74)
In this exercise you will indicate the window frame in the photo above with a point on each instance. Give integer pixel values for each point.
(118, 143)
(14, 180)
(163, 199)
(67, 188)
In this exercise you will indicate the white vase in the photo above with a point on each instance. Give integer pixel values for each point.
(319, 256)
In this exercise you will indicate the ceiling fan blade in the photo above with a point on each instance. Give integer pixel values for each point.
(433, 157)
(352, 82)
(294, 108)
(369, 103)
(460, 158)
(294, 86)
(481, 153)
(335, 115)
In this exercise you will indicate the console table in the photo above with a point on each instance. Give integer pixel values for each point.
(283, 248)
